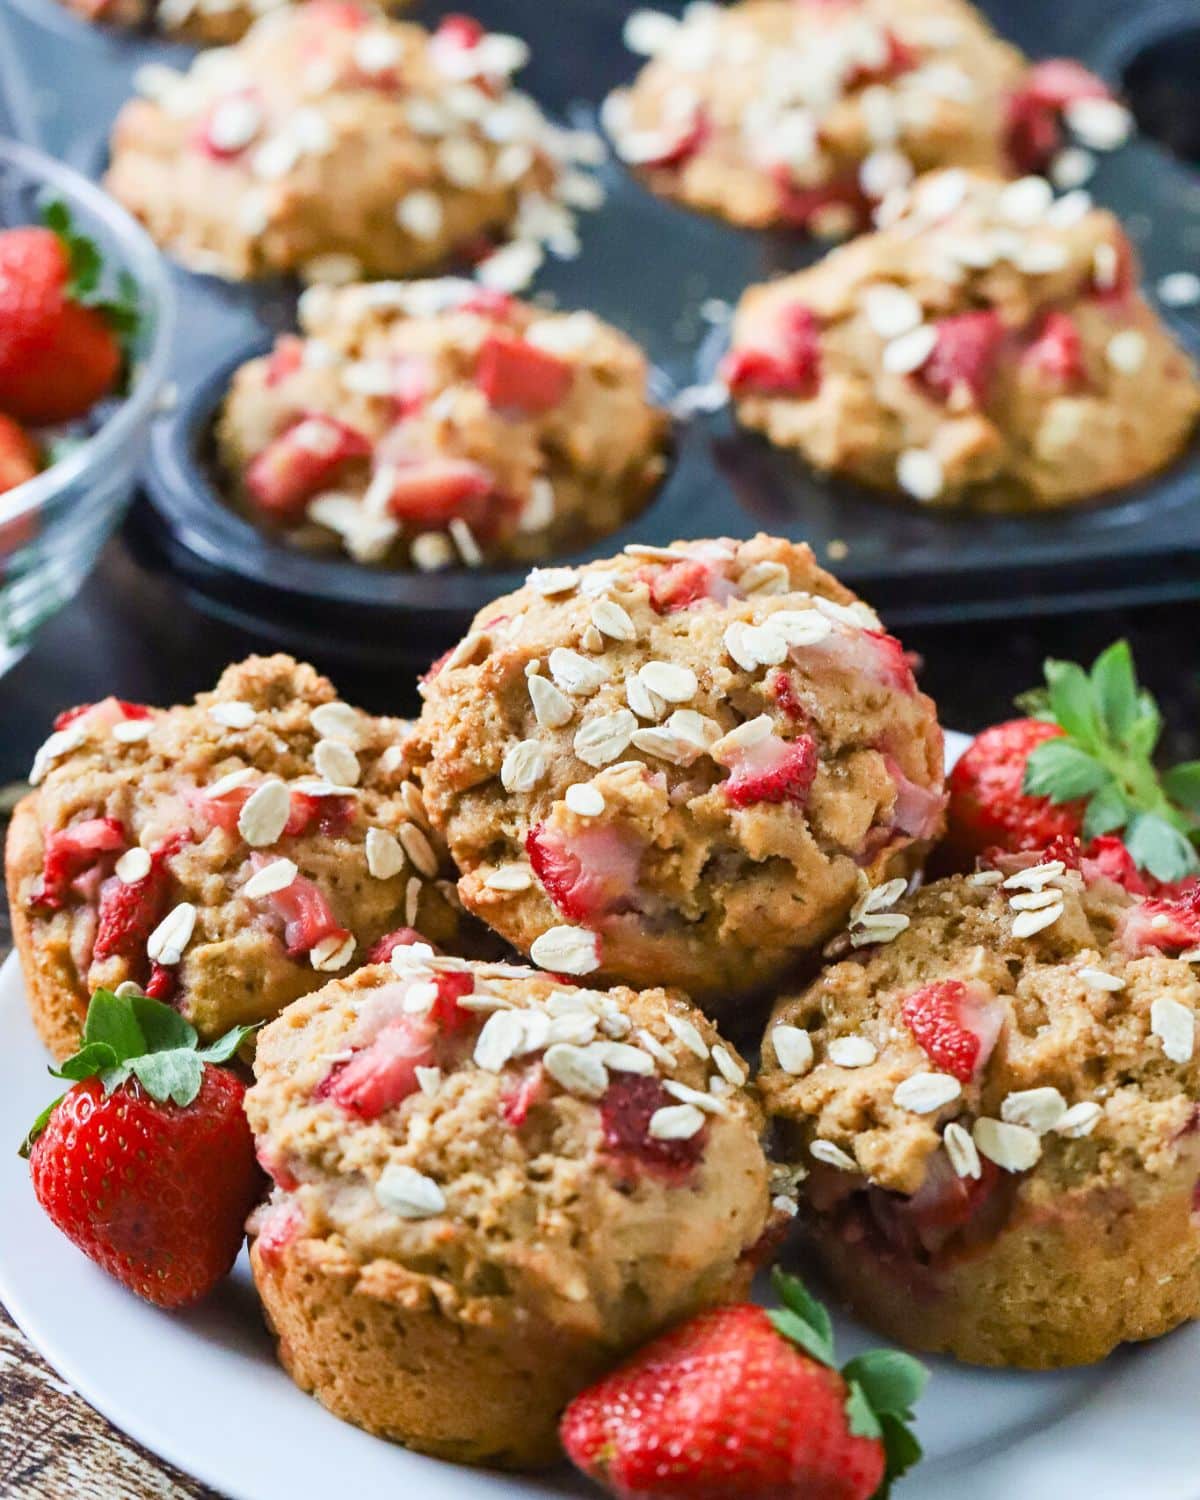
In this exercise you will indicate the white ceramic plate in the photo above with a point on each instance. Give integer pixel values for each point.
(203, 1390)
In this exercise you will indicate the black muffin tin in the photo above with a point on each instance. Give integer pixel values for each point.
(648, 266)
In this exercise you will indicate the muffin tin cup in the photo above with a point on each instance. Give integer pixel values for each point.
(653, 269)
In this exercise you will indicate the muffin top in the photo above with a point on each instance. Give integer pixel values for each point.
(459, 424)
(672, 766)
(504, 1140)
(799, 112)
(229, 854)
(988, 335)
(337, 142)
(1026, 1018)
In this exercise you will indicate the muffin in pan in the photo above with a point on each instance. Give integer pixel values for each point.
(994, 1098)
(675, 766)
(989, 344)
(805, 113)
(335, 142)
(489, 1186)
(228, 855)
(430, 422)
(207, 23)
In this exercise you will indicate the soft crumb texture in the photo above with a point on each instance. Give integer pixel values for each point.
(997, 1113)
(990, 345)
(335, 142)
(227, 855)
(206, 23)
(491, 1185)
(804, 113)
(678, 765)
(432, 423)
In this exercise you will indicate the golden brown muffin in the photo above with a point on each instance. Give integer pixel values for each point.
(990, 345)
(995, 1099)
(490, 1186)
(335, 142)
(228, 854)
(673, 766)
(460, 425)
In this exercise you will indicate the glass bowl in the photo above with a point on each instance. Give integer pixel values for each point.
(53, 527)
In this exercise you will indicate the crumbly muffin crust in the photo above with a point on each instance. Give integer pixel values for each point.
(774, 112)
(989, 343)
(492, 1172)
(339, 143)
(677, 765)
(997, 1111)
(140, 857)
(462, 426)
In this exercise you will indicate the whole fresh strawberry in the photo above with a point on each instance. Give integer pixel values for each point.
(1080, 769)
(147, 1162)
(742, 1403)
(60, 339)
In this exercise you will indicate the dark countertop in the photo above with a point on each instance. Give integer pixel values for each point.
(132, 634)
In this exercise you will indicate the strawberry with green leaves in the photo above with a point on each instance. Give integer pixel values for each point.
(147, 1162)
(1081, 768)
(63, 340)
(742, 1403)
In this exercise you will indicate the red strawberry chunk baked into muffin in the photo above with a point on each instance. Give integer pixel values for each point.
(673, 766)
(490, 1185)
(994, 1097)
(336, 142)
(804, 113)
(429, 421)
(990, 342)
(226, 856)
(204, 22)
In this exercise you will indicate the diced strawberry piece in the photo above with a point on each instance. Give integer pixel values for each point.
(590, 874)
(1032, 132)
(516, 376)
(435, 666)
(383, 1075)
(955, 1024)
(449, 1016)
(516, 1103)
(785, 358)
(457, 30)
(162, 983)
(330, 816)
(285, 359)
(628, 1105)
(114, 709)
(300, 462)
(894, 665)
(791, 705)
(129, 913)
(1056, 352)
(773, 770)
(682, 146)
(1107, 858)
(340, 15)
(918, 810)
(804, 206)
(1170, 923)
(278, 1226)
(945, 1202)
(691, 580)
(965, 355)
(306, 914)
(433, 491)
(403, 937)
(275, 1168)
(411, 385)
(486, 303)
(212, 134)
(71, 851)
(223, 811)
(901, 58)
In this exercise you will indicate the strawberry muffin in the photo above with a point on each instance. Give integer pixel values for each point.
(228, 855)
(422, 423)
(676, 765)
(491, 1185)
(804, 113)
(993, 1094)
(337, 143)
(989, 343)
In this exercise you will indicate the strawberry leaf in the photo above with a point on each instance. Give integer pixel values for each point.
(860, 1414)
(92, 1058)
(38, 1126)
(1063, 772)
(1182, 785)
(224, 1047)
(901, 1449)
(1072, 702)
(112, 1020)
(175, 1075)
(1107, 811)
(1160, 848)
(1115, 689)
(892, 1381)
(802, 1319)
(162, 1025)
